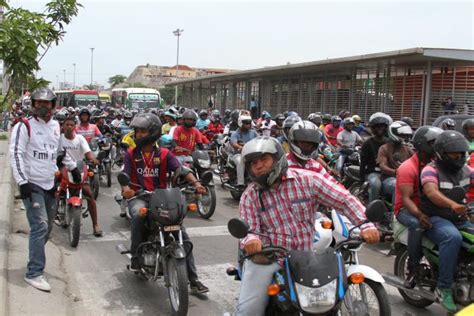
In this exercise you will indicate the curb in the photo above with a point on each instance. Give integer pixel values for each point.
(6, 206)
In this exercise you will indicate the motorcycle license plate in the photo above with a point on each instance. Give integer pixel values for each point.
(172, 228)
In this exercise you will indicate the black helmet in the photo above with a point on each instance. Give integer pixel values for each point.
(379, 118)
(45, 94)
(259, 146)
(85, 111)
(234, 116)
(424, 138)
(203, 112)
(190, 115)
(60, 117)
(448, 124)
(466, 124)
(451, 142)
(279, 117)
(408, 120)
(150, 122)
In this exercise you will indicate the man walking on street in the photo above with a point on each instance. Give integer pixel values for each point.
(33, 153)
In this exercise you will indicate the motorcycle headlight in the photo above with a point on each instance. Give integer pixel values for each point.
(204, 163)
(317, 300)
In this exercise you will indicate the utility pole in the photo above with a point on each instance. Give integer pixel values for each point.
(74, 76)
(92, 64)
(57, 82)
(64, 78)
(177, 33)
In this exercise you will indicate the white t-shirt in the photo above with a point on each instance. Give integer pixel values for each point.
(76, 148)
(348, 139)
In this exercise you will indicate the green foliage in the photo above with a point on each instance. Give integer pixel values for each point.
(117, 79)
(167, 94)
(26, 36)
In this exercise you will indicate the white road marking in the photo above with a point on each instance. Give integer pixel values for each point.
(208, 231)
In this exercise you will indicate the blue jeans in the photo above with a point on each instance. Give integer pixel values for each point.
(415, 236)
(183, 159)
(447, 237)
(375, 185)
(253, 297)
(40, 213)
(388, 186)
(340, 162)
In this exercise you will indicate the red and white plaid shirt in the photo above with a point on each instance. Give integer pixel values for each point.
(290, 208)
(311, 165)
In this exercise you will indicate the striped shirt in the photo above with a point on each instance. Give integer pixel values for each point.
(289, 209)
(311, 165)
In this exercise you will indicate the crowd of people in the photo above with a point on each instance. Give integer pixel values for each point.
(286, 157)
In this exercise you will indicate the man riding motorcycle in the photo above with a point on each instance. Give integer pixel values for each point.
(407, 208)
(147, 165)
(332, 130)
(287, 125)
(277, 129)
(187, 137)
(239, 138)
(203, 121)
(446, 215)
(281, 203)
(378, 124)
(85, 128)
(347, 139)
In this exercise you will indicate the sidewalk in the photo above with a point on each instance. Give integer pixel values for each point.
(17, 297)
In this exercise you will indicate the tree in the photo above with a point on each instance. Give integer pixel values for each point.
(117, 79)
(25, 38)
(167, 94)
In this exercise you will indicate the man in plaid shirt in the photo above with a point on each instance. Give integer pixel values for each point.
(281, 203)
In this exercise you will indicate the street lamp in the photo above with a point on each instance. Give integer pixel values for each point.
(177, 33)
(92, 63)
(64, 78)
(74, 76)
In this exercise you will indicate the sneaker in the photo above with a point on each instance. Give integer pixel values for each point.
(410, 277)
(39, 282)
(198, 287)
(134, 264)
(445, 298)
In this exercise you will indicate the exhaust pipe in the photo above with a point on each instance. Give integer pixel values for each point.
(123, 251)
(230, 187)
(397, 282)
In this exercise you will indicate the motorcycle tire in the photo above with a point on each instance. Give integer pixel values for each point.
(178, 290)
(62, 205)
(235, 195)
(75, 215)
(360, 192)
(94, 183)
(399, 270)
(108, 173)
(211, 208)
(380, 295)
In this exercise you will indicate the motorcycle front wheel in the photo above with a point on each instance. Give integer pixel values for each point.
(178, 289)
(74, 220)
(108, 173)
(207, 203)
(367, 298)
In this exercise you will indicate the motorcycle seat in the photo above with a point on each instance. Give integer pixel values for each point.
(469, 230)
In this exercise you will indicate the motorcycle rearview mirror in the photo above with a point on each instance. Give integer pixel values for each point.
(457, 194)
(123, 179)
(238, 228)
(375, 211)
(206, 177)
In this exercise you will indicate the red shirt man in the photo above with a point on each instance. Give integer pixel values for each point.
(186, 139)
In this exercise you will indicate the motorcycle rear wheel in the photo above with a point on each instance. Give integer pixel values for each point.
(74, 221)
(399, 270)
(178, 289)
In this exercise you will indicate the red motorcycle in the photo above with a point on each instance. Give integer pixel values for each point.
(72, 205)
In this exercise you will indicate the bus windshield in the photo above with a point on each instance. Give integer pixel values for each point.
(86, 99)
(144, 100)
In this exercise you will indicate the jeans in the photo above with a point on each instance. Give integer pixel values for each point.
(388, 186)
(40, 213)
(340, 162)
(375, 185)
(240, 168)
(138, 235)
(415, 236)
(253, 297)
(447, 237)
(183, 159)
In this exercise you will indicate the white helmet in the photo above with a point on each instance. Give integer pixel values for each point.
(399, 132)
(304, 131)
(244, 116)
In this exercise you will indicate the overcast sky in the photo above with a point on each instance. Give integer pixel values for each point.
(245, 35)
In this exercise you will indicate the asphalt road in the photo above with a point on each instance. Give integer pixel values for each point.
(97, 273)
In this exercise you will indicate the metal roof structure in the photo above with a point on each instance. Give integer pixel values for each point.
(404, 57)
